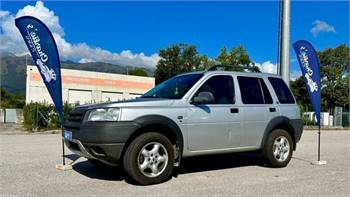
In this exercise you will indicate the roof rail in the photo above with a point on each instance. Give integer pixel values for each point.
(230, 67)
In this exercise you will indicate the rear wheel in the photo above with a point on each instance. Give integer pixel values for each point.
(149, 159)
(278, 149)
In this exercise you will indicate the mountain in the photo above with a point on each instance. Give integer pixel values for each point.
(13, 73)
(13, 70)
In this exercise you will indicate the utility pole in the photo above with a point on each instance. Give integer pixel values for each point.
(284, 42)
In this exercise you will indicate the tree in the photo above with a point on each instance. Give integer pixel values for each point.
(181, 58)
(334, 67)
(338, 57)
(300, 93)
(335, 77)
(138, 72)
(177, 59)
(237, 57)
(206, 63)
(9, 100)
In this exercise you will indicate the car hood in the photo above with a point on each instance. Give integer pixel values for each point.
(139, 102)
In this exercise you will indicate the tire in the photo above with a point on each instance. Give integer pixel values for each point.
(146, 164)
(278, 149)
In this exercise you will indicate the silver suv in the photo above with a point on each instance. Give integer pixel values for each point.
(198, 113)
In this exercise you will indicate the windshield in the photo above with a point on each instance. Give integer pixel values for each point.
(173, 88)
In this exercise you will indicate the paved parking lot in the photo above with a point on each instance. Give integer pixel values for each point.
(28, 169)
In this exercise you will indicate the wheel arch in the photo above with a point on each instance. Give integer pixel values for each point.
(161, 124)
(280, 122)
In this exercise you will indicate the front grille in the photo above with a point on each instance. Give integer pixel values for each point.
(75, 118)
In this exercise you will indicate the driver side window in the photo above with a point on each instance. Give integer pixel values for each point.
(221, 87)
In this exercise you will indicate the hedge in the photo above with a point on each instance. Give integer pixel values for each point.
(43, 116)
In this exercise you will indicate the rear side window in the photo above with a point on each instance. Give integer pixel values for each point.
(267, 95)
(254, 91)
(282, 91)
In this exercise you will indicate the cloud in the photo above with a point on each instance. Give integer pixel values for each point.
(3, 13)
(267, 67)
(12, 41)
(321, 26)
(294, 75)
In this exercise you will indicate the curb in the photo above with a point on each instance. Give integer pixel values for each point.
(30, 133)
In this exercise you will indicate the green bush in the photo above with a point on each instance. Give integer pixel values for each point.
(43, 116)
(9, 100)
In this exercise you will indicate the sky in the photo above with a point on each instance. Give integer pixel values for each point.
(133, 32)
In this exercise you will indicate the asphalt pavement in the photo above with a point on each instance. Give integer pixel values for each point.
(28, 162)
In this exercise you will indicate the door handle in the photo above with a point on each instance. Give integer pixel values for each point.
(234, 110)
(272, 109)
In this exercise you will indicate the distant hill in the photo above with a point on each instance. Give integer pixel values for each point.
(13, 70)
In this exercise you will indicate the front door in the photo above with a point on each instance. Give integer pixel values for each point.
(214, 125)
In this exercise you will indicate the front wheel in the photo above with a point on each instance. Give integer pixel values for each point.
(278, 149)
(149, 159)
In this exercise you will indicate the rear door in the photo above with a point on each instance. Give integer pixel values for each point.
(287, 105)
(258, 109)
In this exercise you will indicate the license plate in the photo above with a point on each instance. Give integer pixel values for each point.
(67, 135)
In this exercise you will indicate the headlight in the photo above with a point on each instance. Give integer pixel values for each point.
(105, 114)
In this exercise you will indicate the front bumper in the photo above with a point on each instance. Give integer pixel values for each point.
(107, 153)
(103, 141)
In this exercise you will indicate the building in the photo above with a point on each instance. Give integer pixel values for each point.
(87, 87)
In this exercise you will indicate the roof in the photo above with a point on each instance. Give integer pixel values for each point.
(234, 73)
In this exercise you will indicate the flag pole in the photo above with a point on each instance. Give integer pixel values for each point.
(44, 52)
(310, 68)
(319, 143)
(62, 136)
(63, 166)
(63, 151)
(319, 162)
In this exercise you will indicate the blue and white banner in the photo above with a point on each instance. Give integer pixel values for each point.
(310, 67)
(43, 49)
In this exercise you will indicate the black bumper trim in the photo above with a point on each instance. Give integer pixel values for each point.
(104, 132)
(106, 153)
(298, 126)
(103, 141)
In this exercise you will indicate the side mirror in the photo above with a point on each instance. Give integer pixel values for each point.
(203, 98)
